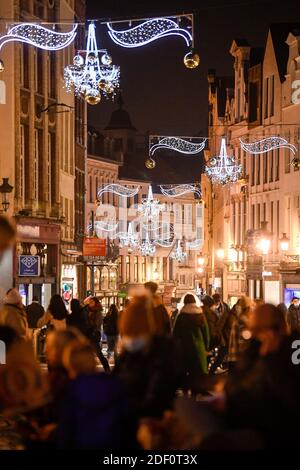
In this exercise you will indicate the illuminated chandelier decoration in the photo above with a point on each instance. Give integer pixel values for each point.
(119, 190)
(178, 254)
(39, 36)
(180, 190)
(266, 145)
(129, 239)
(186, 145)
(88, 77)
(223, 169)
(150, 207)
(149, 31)
(195, 244)
(147, 248)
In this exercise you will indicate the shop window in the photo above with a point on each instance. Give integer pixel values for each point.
(104, 279)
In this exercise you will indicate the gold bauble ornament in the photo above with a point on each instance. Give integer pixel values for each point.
(1, 66)
(102, 84)
(191, 60)
(150, 163)
(93, 98)
(106, 59)
(109, 89)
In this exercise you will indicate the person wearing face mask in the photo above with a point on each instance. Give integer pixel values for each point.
(148, 364)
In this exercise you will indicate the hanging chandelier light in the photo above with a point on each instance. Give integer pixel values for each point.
(93, 75)
(129, 239)
(223, 169)
(178, 254)
(150, 207)
(147, 248)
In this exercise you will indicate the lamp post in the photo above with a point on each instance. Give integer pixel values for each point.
(5, 190)
(284, 243)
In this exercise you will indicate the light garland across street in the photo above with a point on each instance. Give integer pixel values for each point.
(180, 190)
(118, 189)
(188, 146)
(266, 145)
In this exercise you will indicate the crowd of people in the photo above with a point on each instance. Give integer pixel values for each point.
(200, 376)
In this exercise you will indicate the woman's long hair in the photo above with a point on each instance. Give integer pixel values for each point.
(113, 311)
(76, 308)
(57, 307)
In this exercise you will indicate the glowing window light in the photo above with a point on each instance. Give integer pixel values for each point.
(178, 254)
(147, 248)
(39, 36)
(180, 190)
(178, 144)
(222, 169)
(150, 207)
(88, 77)
(148, 31)
(267, 144)
(119, 190)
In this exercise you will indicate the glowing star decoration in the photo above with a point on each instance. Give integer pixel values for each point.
(129, 239)
(149, 31)
(180, 190)
(92, 76)
(267, 144)
(147, 248)
(178, 254)
(150, 207)
(119, 190)
(188, 146)
(223, 169)
(39, 36)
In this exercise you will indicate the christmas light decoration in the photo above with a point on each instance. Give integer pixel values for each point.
(39, 36)
(188, 146)
(149, 31)
(178, 254)
(223, 169)
(267, 144)
(164, 243)
(129, 239)
(147, 248)
(180, 190)
(105, 226)
(150, 207)
(88, 76)
(195, 244)
(118, 189)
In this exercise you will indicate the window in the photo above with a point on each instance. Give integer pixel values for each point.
(278, 221)
(253, 216)
(272, 95)
(266, 96)
(67, 220)
(258, 170)
(258, 216)
(277, 163)
(265, 162)
(127, 269)
(272, 216)
(22, 164)
(264, 211)
(36, 165)
(96, 187)
(136, 269)
(253, 171)
(271, 172)
(143, 269)
(91, 188)
(253, 102)
(165, 268)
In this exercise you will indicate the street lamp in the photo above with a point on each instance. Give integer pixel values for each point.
(201, 260)
(264, 239)
(200, 270)
(155, 275)
(220, 252)
(5, 190)
(284, 242)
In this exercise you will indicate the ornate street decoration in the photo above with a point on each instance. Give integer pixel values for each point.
(223, 169)
(295, 163)
(129, 239)
(147, 248)
(39, 36)
(150, 207)
(178, 254)
(266, 145)
(180, 190)
(187, 145)
(93, 75)
(149, 31)
(118, 189)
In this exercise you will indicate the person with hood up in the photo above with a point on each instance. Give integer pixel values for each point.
(191, 334)
(13, 313)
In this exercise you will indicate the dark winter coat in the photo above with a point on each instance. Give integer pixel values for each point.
(161, 319)
(78, 320)
(224, 324)
(15, 317)
(213, 325)
(94, 414)
(191, 334)
(150, 377)
(34, 312)
(110, 324)
(293, 317)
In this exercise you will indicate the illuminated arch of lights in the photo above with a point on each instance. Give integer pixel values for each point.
(186, 145)
(266, 145)
(223, 169)
(39, 36)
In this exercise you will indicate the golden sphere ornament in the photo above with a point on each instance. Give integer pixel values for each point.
(102, 84)
(191, 60)
(92, 98)
(78, 60)
(1, 66)
(106, 59)
(109, 89)
(150, 163)
(92, 58)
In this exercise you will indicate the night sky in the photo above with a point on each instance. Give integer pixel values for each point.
(160, 93)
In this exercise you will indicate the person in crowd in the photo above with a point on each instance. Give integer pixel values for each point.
(79, 359)
(223, 327)
(191, 334)
(209, 310)
(293, 315)
(110, 328)
(239, 334)
(148, 364)
(263, 389)
(34, 312)
(160, 312)
(13, 313)
(56, 314)
(77, 317)
(174, 313)
(94, 325)
(7, 235)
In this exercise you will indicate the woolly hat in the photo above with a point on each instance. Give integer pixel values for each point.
(208, 301)
(137, 319)
(13, 297)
